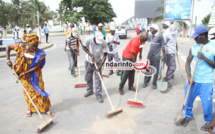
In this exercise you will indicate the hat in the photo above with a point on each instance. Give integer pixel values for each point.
(199, 30)
(75, 31)
(212, 31)
(99, 37)
(173, 29)
(112, 28)
(154, 26)
(100, 25)
(27, 25)
(18, 28)
(167, 23)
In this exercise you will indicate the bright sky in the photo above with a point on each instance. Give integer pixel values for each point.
(124, 9)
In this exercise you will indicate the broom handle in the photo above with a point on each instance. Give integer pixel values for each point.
(162, 71)
(197, 61)
(79, 74)
(138, 75)
(28, 95)
(179, 66)
(104, 87)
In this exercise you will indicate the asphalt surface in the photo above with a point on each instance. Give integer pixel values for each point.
(76, 114)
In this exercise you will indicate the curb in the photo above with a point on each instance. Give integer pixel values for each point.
(13, 53)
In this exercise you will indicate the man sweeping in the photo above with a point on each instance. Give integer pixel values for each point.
(154, 54)
(130, 53)
(202, 84)
(94, 46)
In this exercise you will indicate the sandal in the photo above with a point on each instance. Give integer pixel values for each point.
(204, 127)
(184, 122)
(28, 113)
(50, 114)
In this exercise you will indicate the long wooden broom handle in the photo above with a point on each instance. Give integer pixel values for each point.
(162, 71)
(79, 73)
(104, 88)
(179, 65)
(197, 61)
(138, 76)
(28, 95)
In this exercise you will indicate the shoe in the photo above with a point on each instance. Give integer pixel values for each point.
(50, 114)
(159, 78)
(132, 89)
(169, 85)
(173, 76)
(74, 75)
(28, 113)
(100, 99)
(204, 127)
(184, 122)
(88, 94)
(144, 86)
(110, 73)
(118, 74)
(121, 91)
(76, 67)
(154, 86)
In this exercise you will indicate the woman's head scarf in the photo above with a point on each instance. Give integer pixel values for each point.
(32, 38)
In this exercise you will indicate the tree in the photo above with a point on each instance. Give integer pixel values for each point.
(161, 16)
(206, 19)
(94, 11)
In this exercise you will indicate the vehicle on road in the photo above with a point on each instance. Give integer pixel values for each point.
(121, 31)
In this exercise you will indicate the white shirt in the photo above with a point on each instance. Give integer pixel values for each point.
(28, 30)
(110, 38)
(170, 41)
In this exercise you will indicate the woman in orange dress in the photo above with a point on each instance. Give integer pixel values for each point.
(28, 66)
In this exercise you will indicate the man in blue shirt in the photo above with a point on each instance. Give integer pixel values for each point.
(46, 31)
(202, 84)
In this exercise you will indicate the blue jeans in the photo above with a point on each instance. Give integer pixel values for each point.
(72, 57)
(205, 92)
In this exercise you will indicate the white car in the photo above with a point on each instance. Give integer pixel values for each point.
(121, 31)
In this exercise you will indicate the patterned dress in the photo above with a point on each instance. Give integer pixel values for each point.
(21, 65)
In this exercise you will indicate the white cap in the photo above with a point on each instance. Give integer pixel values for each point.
(100, 25)
(112, 28)
(27, 25)
(173, 29)
(167, 23)
(18, 28)
(212, 31)
(75, 31)
(154, 26)
(99, 37)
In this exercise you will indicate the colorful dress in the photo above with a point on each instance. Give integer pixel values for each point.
(23, 64)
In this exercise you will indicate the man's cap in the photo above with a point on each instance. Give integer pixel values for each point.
(27, 25)
(18, 28)
(199, 30)
(212, 31)
(75, 31)
(72, 25)
(167, 23)
(112, 28)
(100, 25)
(99, 37)
(173, 29)
(155, 27)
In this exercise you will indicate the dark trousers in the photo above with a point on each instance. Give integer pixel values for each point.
(127, 74)
(148, 78)
(47, 36)
(171, 66)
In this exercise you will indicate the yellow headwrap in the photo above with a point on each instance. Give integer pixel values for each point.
(32, 38)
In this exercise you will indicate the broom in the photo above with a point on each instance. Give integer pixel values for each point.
(45, 122)
(77, 85)
(114, 111)
(135, 102)
(180, 116)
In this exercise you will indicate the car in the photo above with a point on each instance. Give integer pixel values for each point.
(121, 31)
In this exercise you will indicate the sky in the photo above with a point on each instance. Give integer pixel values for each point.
(124, 9)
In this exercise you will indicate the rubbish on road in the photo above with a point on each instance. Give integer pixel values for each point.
(114, 111)
(45, 122)
(135, 102)
(77, 85)
(182, 77)
(162, 86)
(180, 116)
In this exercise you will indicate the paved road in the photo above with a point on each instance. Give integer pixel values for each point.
(76, 114)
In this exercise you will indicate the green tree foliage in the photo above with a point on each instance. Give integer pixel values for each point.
(161, 16)
(94, 11)
(206, 20)
(4, 14)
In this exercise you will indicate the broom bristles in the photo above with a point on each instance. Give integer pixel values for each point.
(113, 112)
(105, 75)
(44, 124)
(80, 85)
(135, 103)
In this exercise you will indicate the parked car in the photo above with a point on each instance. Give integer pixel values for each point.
(121, 31)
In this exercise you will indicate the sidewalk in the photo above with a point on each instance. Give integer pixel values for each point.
(42, 45)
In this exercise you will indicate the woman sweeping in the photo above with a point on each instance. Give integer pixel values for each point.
(28, 66)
